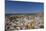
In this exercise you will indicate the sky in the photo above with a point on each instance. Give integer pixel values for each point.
(23, 7)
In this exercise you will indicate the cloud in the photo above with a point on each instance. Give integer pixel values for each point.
(28, 0)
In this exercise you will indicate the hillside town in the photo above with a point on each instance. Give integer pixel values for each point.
(24, 22)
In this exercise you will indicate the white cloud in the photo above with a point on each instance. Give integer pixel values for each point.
(28, 0)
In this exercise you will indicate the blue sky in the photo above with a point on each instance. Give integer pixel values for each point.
(23, 7)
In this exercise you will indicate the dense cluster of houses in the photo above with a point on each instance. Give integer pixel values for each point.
(23, 22)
